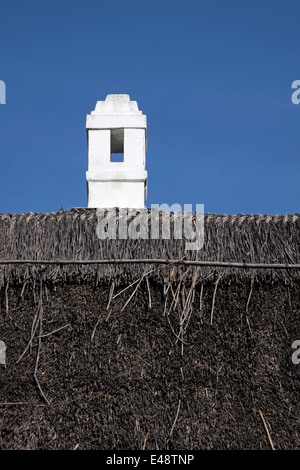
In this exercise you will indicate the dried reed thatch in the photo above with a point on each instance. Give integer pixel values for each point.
(149, 355)
(71, 235)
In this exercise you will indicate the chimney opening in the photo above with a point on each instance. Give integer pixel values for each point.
(117, 145)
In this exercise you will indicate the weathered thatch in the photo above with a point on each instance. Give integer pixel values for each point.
(152, 356)
(73, 235)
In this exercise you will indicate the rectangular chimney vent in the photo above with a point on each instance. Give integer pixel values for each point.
(117, 145)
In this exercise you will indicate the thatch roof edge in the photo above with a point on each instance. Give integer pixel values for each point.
(72, 235)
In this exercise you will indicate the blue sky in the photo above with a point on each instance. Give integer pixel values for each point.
(213, 77)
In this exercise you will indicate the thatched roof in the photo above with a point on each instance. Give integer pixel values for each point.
(139, 378)
(71, 235)
(148, 356)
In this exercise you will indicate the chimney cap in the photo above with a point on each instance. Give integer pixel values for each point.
(116, 104)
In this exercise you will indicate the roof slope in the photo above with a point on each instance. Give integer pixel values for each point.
(146, 364)
(72, 235)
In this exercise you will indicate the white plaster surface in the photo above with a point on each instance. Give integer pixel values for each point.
(116, 184)
(99, 149)
(123, 194)
(118, 105)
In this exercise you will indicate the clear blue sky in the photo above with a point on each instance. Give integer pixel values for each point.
(213, 77)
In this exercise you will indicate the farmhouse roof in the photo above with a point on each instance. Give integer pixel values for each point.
(72, 235)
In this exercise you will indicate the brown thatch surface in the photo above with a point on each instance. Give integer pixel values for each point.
(72, 235)
(119, 386)
(185, 358)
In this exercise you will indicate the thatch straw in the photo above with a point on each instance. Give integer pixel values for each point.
(71, 235)
(139, 355)
(131, 379)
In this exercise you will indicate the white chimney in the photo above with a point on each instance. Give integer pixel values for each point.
(116, 175)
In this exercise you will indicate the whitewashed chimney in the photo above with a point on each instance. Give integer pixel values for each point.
(116, 175)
